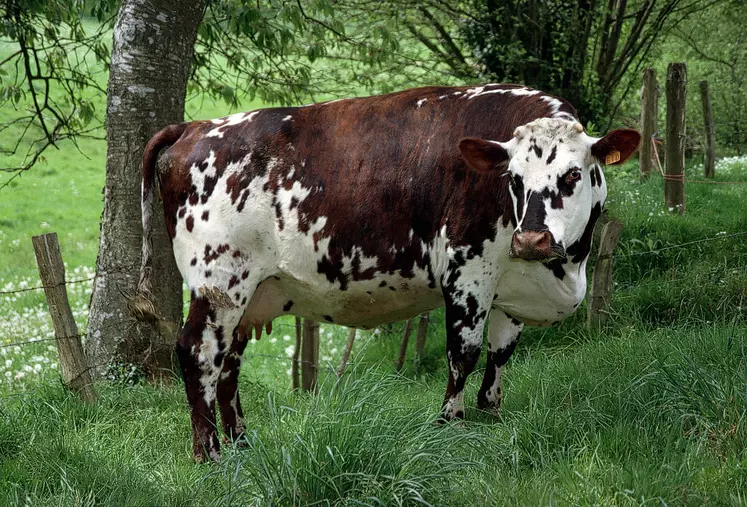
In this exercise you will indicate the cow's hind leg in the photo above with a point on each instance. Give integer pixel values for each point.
(206, 337)
(231, 415)
(503, 335)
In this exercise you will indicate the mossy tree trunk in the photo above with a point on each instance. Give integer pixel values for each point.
(150, 64)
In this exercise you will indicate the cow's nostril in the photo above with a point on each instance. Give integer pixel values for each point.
(517, 243)
(543, 242)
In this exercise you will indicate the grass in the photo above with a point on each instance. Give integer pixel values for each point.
(635, 418)
(650, 410)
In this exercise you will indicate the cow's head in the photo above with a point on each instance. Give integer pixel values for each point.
(555, 180)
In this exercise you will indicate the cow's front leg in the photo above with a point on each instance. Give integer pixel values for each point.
(503, 335)
(201, 348)
(231, 415)
(465, 319)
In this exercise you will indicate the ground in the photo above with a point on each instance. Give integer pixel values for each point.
(650, 410)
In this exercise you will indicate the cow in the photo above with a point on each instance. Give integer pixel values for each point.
(363, 211)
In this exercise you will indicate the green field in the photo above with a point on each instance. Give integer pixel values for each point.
(649, 411)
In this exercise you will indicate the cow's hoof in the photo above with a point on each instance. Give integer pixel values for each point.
(493, 409)
(199, 455)
(201, 458)
(445, 417)
(237, 443)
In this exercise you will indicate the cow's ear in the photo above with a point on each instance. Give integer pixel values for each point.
(616, 147)
(484, 156)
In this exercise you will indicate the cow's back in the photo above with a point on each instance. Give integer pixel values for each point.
(377, 167)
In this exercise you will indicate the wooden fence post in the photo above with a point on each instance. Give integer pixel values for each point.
(601, 288)
(294, 361)
(310, 355)
(403, 346)
(649, 120)
(709, 168)
(73, 365)
(674, 174)
(346, 353)
(422, 333)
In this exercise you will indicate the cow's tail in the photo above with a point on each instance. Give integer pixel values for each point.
(141, 305)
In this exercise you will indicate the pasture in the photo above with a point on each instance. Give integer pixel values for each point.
(650, 410)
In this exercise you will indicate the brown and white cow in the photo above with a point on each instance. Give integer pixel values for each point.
(370, 210)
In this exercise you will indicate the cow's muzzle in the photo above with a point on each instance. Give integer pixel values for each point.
(534, 246)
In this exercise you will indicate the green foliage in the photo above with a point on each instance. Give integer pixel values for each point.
(535, 43)
(46, 76)
(722, 61)
(586, 52)
(280, 52)
(285, 52)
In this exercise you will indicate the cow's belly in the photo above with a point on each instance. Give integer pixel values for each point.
(364, 304)
(532, 294)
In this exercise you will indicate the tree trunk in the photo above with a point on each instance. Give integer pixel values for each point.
(151, 56)
(649, 120)
(709, 168)
(674, 175)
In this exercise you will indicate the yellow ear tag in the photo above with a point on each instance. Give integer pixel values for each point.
(612, 157)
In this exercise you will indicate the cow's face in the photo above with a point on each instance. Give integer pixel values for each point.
(555, 180)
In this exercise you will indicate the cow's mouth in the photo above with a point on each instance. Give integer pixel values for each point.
(535, 246)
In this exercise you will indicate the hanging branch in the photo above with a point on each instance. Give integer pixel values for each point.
(49, 40)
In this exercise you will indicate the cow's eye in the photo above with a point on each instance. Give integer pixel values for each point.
(573, 176)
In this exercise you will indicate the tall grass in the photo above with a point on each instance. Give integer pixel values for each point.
(350, 444)
(640, 417)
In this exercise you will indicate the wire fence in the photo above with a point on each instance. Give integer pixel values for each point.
(680, 178)
(396, 328)
(320, 365)
(42, 287)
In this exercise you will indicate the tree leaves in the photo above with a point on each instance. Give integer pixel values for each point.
(44, 76)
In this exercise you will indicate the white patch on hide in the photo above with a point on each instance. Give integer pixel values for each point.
(230, 121)
(482, 90)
